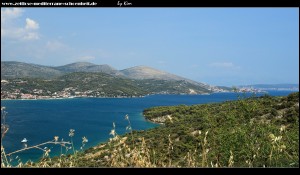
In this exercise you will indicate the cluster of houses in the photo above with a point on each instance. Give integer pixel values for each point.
(16, 93)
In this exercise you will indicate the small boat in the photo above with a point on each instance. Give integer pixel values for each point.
(24, 140)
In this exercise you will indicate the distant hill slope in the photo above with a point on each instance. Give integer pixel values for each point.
(13, 69)
(88, 67)
(172, 83)
(93, 84)
(144, 72)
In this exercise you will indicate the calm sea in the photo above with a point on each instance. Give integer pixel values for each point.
(40, 120)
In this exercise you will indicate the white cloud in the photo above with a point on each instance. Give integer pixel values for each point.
(12, 33)
(31, 36)
(10, 13)
(12, 30)
(31, 24)
(224, 65)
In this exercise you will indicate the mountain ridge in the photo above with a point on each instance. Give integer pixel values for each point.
(87, 67)
(14, 69)
(21, 70)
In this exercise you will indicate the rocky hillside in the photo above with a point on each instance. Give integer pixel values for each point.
(146, 75)
(90, 84)
(13, 69)
(144, 72)
(88, 67)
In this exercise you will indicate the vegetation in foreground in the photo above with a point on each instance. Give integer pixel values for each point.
(253, 132)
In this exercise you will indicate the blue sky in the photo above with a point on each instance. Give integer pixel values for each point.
(218, 46)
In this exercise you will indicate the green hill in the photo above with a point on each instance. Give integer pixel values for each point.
(13, 69)
(145, 76)
(254, 132)
(89, 84)
(88, 67)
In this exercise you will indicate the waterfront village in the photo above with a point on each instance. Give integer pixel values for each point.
(70, 92)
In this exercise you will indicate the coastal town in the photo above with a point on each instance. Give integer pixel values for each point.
(20, 89)
(25, 89)
(17, 92)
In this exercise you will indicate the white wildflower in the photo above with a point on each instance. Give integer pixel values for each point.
(126, 117)
(56, 138)
(84, 140)
(112, 132)
(71, 133)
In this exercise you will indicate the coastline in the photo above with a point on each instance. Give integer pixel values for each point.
(148, 120)
(147, 95)
(73, 97)
(64, 98)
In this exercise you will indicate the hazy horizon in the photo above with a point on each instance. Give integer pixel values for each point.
(217, 46)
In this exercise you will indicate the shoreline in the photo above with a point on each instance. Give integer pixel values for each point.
(63, 98)
(74, 97)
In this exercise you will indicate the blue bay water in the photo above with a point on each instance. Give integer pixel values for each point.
(40, 120)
